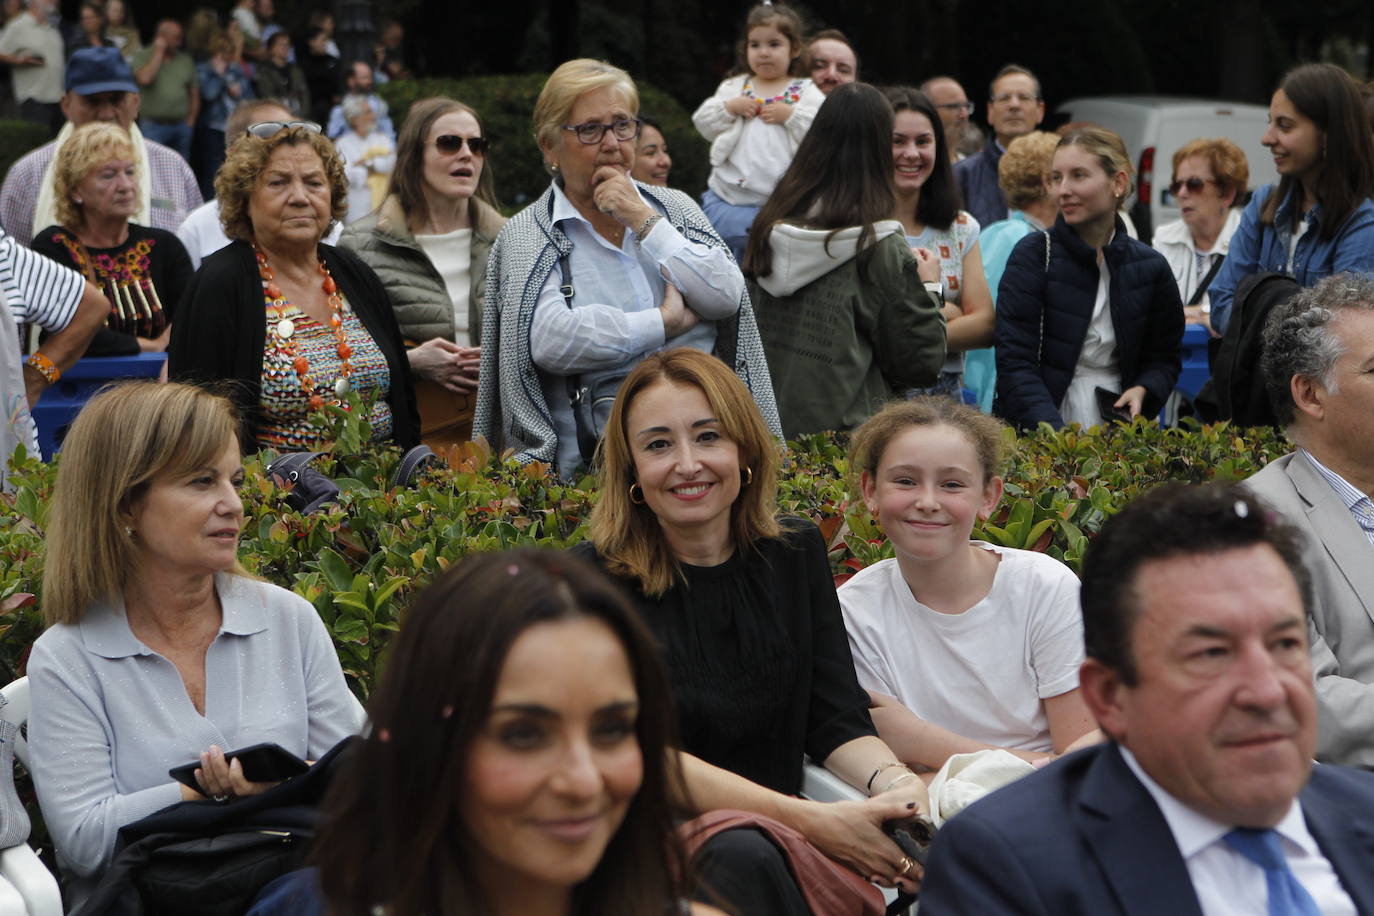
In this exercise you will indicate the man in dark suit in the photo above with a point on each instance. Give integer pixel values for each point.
(1015, 108)
(1206, 800)
(1318, 356)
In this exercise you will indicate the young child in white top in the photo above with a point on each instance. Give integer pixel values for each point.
(961, 645)
(756, 120)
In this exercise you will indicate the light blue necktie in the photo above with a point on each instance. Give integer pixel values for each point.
(1286, 896)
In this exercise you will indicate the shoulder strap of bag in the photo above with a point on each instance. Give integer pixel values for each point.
(586, 439)
(1206, 281)
(1044, 302)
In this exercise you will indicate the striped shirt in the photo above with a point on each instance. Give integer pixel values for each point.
(38, 291)
(1359, 505)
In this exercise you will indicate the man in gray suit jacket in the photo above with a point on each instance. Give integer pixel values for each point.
(1319, 369)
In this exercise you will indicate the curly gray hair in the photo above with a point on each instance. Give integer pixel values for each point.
(1298, 339)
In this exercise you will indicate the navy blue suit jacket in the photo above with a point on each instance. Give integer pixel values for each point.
(1083, 836)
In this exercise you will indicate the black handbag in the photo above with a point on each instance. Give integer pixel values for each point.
(310, 490)
(218, 875)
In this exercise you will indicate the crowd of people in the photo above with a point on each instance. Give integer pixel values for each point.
(623, 727)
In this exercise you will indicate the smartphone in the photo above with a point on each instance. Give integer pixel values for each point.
(260, 762)
(1106, 405)
(914, 837)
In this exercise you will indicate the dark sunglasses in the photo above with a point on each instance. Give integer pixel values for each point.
(452, 143)
(264, 130)
(1194, 185)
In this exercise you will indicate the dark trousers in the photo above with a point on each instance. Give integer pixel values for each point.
(744, 870)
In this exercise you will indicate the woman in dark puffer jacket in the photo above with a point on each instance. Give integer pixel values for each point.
(1082, 306)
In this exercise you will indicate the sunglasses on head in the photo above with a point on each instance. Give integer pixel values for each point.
(265, 129)
(1194, 185)
(452, 143)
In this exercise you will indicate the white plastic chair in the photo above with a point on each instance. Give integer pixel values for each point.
(28, 889)
(819, 784)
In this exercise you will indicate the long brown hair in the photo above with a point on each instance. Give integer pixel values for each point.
(408, 175)
(392, 832)
(841, 176)
(1329, 97)
(626, 533)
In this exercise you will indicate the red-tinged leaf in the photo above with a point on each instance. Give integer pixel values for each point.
(1043, 541)
(830, 527)
(15, 602)
(854, 563)
(842, 578)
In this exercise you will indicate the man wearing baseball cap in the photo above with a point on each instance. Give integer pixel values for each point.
(99, 87)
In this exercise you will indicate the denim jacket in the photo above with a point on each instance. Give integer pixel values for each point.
(1257, 248)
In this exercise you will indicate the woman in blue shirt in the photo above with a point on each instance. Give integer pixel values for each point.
(1318, 221)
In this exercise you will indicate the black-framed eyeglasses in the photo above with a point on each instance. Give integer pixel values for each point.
(592, 131)
(965, 106)
(1193, 184)
(452, 143)
(264, 130)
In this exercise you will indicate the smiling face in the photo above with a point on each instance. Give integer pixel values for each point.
(928, 491)
(290, 204)
(652, 162)
(576, 161)
(191, 523)
(769, 53)
(1294, 140)
(452, 176)
(832, 64)
(1082, 187)
(688, 470)
(110, 190)
(913, 150)
(551, 774)
(1223, 714)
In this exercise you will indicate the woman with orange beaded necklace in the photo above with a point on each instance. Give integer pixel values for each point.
(295, 324)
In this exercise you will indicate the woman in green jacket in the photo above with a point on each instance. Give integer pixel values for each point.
(849, 314)
(429, 242)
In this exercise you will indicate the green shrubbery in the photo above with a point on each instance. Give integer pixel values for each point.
(506, 103)
(360, 561)
(17, 138)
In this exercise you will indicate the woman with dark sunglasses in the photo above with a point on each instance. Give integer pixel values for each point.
(429, 242)
(292, 323)
(596, 274)
(1210, 178)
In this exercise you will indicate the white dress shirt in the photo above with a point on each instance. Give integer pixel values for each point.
(1227, 883)
(615, 320)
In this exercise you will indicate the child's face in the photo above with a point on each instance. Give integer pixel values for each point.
(769, 52)
(929, 490)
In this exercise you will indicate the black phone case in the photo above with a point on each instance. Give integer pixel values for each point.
(261, 763)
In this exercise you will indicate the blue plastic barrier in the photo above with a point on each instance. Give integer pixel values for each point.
(1195, 370)
(60, 404)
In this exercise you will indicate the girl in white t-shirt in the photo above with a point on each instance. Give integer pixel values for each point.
(755, 121)
(961, 645)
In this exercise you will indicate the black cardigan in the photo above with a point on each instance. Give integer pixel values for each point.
(220, 333)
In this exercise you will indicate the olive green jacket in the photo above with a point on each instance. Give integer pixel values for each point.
(418, 297)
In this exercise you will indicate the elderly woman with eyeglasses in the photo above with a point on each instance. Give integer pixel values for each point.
(429, 242)
(294, 324)
(600, 271)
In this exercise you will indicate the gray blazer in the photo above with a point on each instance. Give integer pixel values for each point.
(1342, 564)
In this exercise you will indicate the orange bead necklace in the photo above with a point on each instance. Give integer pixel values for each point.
(284, 330)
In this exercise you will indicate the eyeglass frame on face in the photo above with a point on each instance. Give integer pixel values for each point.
(281, 126)
(966, 106)
(1010, 96)
(1194, 184)
(581, 130)
(479, 146)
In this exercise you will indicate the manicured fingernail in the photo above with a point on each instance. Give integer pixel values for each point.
(911, 806)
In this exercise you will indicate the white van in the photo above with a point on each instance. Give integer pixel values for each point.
(1154, 126)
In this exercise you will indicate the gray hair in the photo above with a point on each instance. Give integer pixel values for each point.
(355, 106)
(1298, 339)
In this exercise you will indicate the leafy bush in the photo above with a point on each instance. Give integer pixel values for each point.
(17, 138)
(360, 561)
(506, 104)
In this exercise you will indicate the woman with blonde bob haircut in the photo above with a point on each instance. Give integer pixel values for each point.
(293, 322)
(162, 651)
(143, 271)
(744, 607)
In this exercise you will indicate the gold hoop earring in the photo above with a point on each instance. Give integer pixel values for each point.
(748, 476)
(640, 501)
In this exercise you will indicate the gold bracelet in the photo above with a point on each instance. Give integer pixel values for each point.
(44, 366)
(886, 766)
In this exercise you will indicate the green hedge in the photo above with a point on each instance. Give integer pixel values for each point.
(16, 139)
(360, 561)
(506, 103)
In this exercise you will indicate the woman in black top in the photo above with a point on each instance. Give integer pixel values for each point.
(745, 610)
(142, 271)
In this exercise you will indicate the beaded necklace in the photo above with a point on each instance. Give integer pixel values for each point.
(791, 94)
(284, 329)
